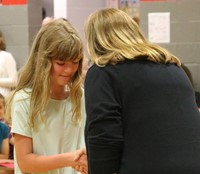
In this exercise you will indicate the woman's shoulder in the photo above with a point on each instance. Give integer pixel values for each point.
(107, 69)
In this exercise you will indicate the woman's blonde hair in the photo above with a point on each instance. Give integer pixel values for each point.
(112, 36)
(56, 40)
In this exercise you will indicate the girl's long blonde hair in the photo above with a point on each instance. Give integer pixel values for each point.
(112, 36)
(55, 40)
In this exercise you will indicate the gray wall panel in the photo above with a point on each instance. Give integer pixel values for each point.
(19, 25)
(184, 31)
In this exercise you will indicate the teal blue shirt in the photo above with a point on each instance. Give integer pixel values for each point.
(4, 133)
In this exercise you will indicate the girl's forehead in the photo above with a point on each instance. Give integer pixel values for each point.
(69, 59)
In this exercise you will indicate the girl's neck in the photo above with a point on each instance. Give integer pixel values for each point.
(59, 93)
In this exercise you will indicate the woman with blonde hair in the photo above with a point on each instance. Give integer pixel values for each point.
(141, 112)
(47, 106)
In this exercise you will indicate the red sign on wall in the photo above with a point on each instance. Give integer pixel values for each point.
(13, 2)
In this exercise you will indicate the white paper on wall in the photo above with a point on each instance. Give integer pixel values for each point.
(60, 9)
(159, 27)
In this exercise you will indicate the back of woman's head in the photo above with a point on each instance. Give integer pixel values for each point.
(112, 35)
(109, 32)
(2, 42)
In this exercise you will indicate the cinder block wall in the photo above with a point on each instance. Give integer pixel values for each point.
(184, 22)
(19, 24)
(185, 31)
(78, 12)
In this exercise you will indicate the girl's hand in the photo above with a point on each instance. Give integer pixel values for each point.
(81, 161)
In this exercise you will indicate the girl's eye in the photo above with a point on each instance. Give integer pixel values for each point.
(61, 63)
(76, 61)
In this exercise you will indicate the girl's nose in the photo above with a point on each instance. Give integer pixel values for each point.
(68, 69)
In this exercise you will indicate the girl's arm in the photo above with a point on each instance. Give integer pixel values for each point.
(30, 162)
(5, 149)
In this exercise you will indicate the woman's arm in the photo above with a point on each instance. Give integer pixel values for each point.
(30, 162)
(5, 149)
(104, 127)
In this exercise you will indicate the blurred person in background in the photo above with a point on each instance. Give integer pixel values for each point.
(8, 69)
(4, 141)
(189, 74)
(6, 120)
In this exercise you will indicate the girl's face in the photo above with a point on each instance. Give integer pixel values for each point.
(2, 109)
(63, 71)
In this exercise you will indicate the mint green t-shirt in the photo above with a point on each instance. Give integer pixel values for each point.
(57, 135)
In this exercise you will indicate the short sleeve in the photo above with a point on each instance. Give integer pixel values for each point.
(20, 115)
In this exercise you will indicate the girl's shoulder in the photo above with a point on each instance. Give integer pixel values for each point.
(22, 94)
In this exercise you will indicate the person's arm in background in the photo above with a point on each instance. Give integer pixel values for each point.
(104, 129)
(11, 69)
(4, 152)
(5, 149)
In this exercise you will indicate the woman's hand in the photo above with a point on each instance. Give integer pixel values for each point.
(81, 161)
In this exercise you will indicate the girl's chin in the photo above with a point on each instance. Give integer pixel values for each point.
(64, 83)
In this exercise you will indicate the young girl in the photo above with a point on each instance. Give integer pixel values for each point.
(47, 106)
(6, 121)
(4, 131)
